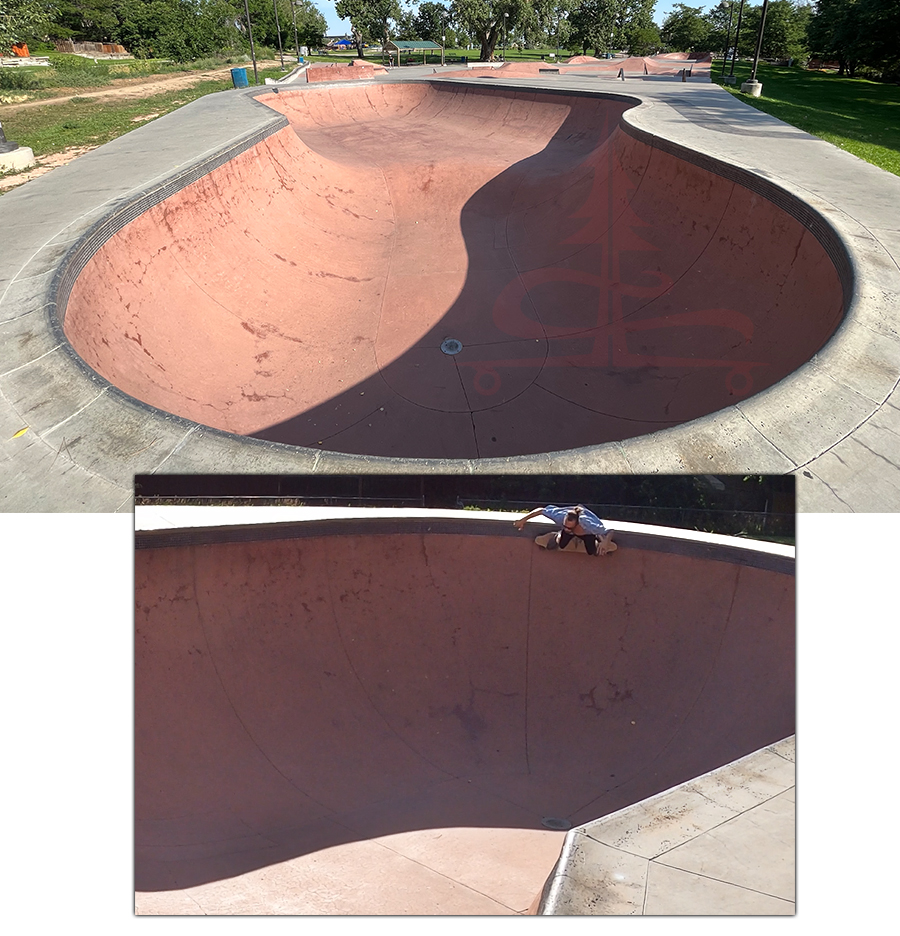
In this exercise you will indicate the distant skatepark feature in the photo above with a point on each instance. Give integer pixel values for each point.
(598, 287)
(378, 715)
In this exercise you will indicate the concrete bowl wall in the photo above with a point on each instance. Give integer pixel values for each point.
(601, 287)
(303, 687)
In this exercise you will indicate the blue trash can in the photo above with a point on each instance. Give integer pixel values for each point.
(239, 77)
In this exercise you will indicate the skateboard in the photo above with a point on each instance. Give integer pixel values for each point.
(604, 544)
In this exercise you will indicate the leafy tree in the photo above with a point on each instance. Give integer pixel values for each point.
(718, 18)
(311, 24)
(21, 20)
(594, 25)
(485, 22)
(431, 21)
(642, 40)
(857, 32)
(785, 33)
(686, 29)
(369, 19)
(84, 20)
(880, 24)
(834, 32)
(179, 29)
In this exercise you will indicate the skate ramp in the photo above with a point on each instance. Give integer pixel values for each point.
(599, 288)
(376, 716)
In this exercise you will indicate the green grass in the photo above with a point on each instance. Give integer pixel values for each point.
(860, 116)
(85, 121)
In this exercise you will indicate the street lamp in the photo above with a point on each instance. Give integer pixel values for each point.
(443, 43)
(737, 38)
(296, 40)
(753, 87)
(505, 33)
(728, 37)
(278, 30)
(252, 50)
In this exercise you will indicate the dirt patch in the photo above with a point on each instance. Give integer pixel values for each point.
(44, 165)
(121, 88)
(135, 87)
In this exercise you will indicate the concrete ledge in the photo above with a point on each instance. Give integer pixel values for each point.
(20, 158)
(720, 844)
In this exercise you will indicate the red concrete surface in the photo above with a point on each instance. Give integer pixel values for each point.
(632, 66)
(601, 288)
(325, 71)
(379, 723)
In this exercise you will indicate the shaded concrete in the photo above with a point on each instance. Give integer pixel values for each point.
(361, 716)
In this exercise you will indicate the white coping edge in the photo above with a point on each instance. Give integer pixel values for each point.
(150, 517)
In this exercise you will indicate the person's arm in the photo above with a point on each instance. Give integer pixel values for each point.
(592, 523)
(537, 512)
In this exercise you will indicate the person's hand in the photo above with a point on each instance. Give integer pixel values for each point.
(519, 524)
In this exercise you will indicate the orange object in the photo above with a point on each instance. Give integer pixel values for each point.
(20, 50)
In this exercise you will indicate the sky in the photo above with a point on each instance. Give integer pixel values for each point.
(337, 26)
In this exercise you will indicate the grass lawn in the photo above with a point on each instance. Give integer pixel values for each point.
(861, 117)
(87, 121)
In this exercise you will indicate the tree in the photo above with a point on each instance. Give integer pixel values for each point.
(485, 21)
(880, 24)
(21, 20)
(686, 29)
(642, 40)
(594, 25)
(369, 19)
(311, 24)
(84, 20)
(785, 33)
(431, 21)
(834, 33)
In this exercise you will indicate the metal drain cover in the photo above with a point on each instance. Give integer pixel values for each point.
(558, 825)
(451, 346)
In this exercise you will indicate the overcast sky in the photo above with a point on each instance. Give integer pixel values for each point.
(337, 26)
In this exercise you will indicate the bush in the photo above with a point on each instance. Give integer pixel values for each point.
(17, 79)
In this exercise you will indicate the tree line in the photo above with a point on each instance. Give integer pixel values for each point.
(183, 30)
(856, 34)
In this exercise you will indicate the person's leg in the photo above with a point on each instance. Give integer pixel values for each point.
(564, 538)
(590, 543)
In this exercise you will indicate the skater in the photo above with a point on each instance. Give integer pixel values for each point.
(575, 521)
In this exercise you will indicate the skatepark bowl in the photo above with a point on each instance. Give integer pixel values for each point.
(390, 715)
(452, 271)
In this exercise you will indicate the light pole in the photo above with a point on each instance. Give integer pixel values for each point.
(728, 37)
(505, 33)
(296, 40)
(443, 44)
(753, 87)
(737, 38)
(252, 50)
(278, 30)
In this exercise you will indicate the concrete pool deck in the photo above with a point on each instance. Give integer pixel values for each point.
(834, 421)
(326, 723)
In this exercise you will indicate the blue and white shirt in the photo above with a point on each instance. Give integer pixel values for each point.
(589, 521)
